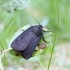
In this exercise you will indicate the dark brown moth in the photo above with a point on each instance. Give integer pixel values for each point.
(27, 41)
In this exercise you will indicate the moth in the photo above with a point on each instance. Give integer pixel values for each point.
(27, 41)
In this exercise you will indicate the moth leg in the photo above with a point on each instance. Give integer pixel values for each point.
(45, 31)
(38, 44)
(44, 40)
(35, 50)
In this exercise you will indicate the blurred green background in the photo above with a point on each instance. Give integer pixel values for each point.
(53, 14)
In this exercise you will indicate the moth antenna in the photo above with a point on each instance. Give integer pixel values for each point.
(45, 40)
(35, 19)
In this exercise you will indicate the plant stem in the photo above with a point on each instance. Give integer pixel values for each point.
(4, 51)
(1, 54)
(1, 66)
(55, 37)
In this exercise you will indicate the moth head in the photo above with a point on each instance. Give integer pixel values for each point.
(40, 26)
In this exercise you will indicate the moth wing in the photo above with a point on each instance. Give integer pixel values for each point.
(27, 53)
(23, 40)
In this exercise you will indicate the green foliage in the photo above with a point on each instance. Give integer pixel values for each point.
(39, 9)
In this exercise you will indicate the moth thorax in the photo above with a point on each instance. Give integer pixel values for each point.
(37, 30)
